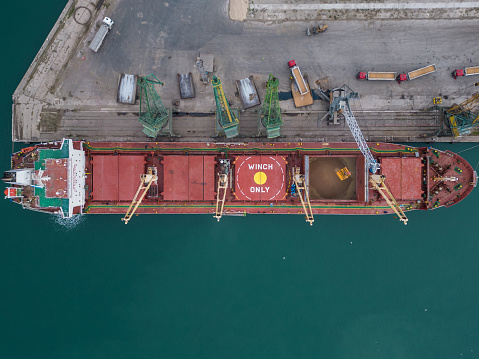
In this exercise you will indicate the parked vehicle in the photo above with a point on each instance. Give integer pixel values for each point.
(298, 78)
(468, 71)
(313, 30)
(100, 35)
(416, 73)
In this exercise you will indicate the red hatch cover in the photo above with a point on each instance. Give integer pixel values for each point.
(260, 178)
(130, 168)
(189, 178)
(403, 177)
(105, 178)
(116, 178)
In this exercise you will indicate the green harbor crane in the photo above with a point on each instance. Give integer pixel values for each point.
(270, 113)
(154, 116)
(460, 118)
(227, 119)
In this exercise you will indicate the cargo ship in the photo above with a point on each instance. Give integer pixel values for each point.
(69, 178)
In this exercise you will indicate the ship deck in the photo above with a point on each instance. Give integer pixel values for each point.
(260, 180)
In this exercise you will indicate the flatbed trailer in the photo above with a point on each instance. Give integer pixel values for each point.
(376, 76)
(299, 99)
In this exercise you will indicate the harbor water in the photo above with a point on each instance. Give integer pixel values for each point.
(260, 286)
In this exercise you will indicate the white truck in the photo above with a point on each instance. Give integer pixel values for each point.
(298, 78)
(106, 25)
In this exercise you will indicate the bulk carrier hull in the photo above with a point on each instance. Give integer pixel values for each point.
(73, 177)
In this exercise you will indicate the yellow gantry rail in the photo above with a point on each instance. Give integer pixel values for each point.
(303, 192)
(378, 183)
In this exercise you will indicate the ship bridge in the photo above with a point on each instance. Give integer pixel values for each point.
(59, 178)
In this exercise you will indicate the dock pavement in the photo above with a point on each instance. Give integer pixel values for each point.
(70, 91)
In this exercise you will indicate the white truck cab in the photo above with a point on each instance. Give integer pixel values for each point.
(108, 22)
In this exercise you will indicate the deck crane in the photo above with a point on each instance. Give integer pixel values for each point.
(378, 182)
(227, 121)
(145, 184)
(341, 104)
(299, 182)
(222, 187)
(154, 116)
(460, 118)
(270, 113)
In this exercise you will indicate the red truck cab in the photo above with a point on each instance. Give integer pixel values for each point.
(292, 63)
(400, 78)
(458, 73)
(361, 76)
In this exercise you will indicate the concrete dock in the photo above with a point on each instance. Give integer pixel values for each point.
(70, 91)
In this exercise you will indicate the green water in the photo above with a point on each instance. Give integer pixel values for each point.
(255, 287)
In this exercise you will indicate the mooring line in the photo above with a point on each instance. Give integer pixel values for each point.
(469, 148)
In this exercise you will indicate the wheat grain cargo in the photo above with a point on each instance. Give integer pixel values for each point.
(298, 78)
(376, 76)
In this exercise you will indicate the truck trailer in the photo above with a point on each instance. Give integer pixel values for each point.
(106, 25)
(468, 71)
(298, 78)
(376, 76)
(416, 73)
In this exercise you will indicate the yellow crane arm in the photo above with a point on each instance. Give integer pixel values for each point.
(298, 179)
(146, 181)
(221, 195)
(467, 105)
(378, 183)
(222, 98)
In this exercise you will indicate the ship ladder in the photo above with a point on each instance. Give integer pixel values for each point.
(146, 181)
(302, 191)
(378, 183)
(221, 195)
